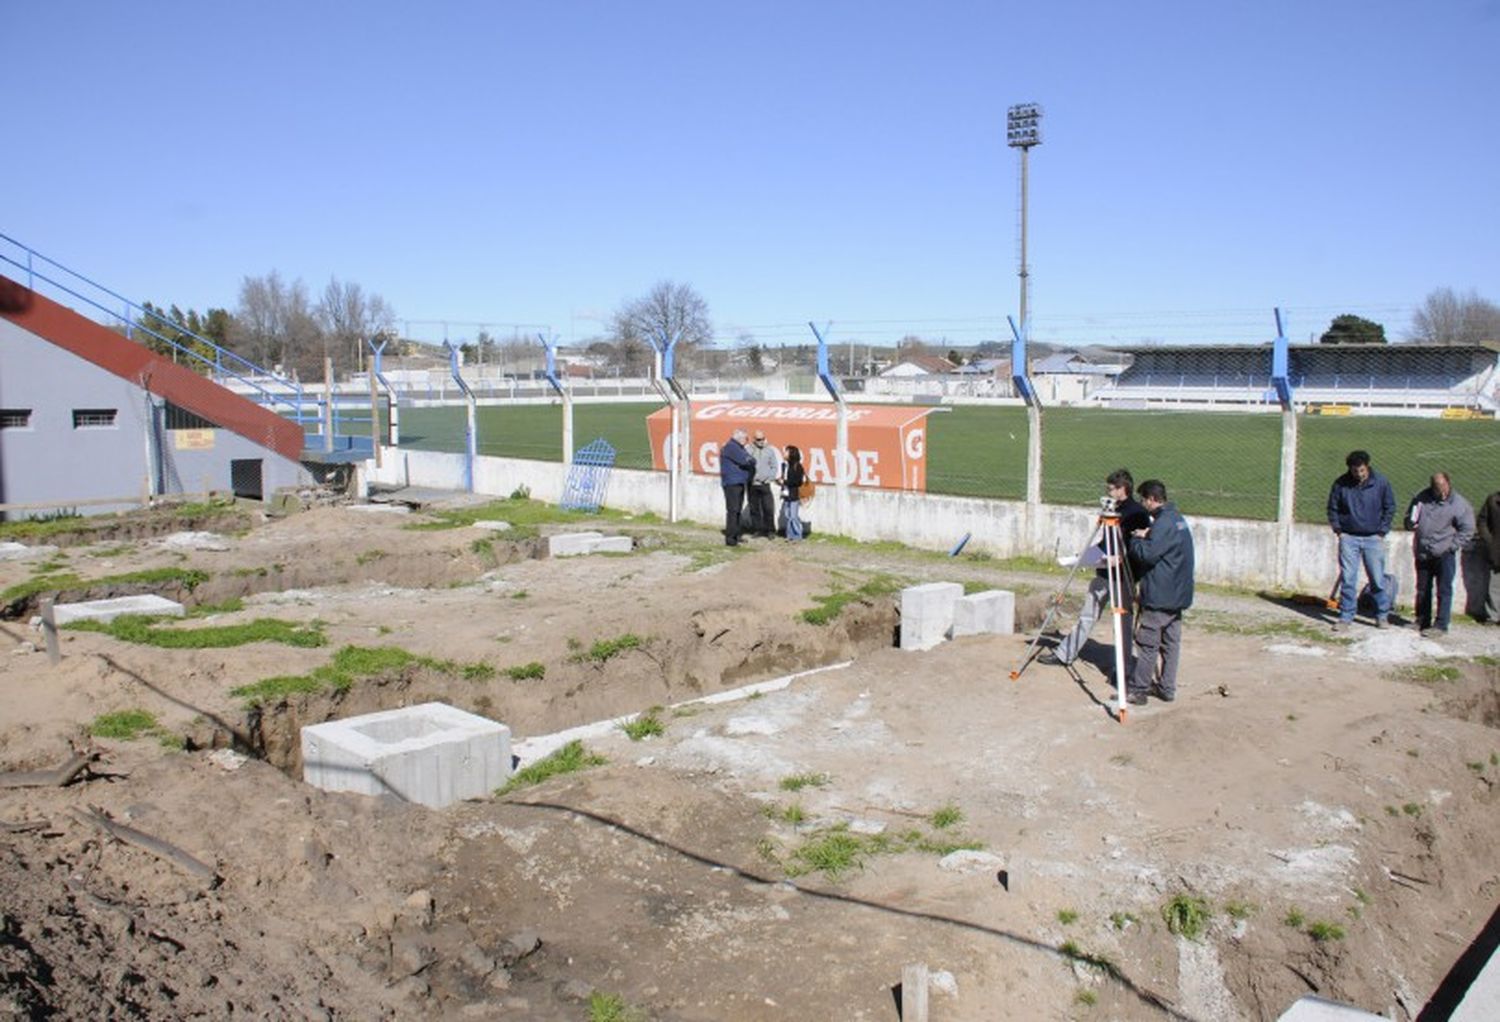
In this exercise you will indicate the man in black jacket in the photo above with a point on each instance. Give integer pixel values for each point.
(1165, 555)
(1489, 542)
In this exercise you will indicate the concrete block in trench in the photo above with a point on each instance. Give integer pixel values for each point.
(433, 754)
(108, 610)
(927, 613)
(572, 544)
(992, 612)
(611, 545)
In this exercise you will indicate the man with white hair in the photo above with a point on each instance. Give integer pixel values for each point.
(767, 474)
(736, 469)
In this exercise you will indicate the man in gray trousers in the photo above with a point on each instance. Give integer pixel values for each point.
(1165, 555)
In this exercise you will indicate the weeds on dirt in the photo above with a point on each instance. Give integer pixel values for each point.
(150, 631)
(1226, 623)
(1321, 931)
(645, 725)
(1086, 997)
(796, 782)
(1186, 916)
(188, 578)
(836, 850)
(40, 526)
(1123, 920)
(570, 759)
(1427, 674)
(1067, 916)
(477, 671)
(1294, 918)
(369, 557)
(831, 605)
(523, 514)
(613, 1008)
(1104, 964)
(533, 671)
(606, 649)
(519, 594)
(792, 813)
(348, 666)
(229, 606)
(947, 816)
(1238, 909)
(123, 724)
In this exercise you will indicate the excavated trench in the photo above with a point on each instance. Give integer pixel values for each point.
(697, 657)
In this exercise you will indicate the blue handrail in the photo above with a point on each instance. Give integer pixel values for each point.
(295, 400)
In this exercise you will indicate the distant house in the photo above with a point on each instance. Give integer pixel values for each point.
(919, 366)
(1065, 377)
(93, 421)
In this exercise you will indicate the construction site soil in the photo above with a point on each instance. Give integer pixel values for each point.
(1314, 814)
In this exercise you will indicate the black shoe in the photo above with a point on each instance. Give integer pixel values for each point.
(1136, 699)
(1051, 659)
(1164, 697)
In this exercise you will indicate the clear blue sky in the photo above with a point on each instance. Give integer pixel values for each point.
(542, 163)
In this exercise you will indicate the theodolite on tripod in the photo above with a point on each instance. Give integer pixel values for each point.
(1105, 550)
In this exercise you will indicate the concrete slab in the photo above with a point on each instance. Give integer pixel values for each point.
(22, 552)
(108, 610)
(493, 524)
(432, 754)
(927, 613)
(611, 545)
(572, 544)
(992, 612)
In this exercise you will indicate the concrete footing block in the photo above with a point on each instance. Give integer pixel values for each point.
(612, 545)
(108, 610)
(992, 612)
(572, 544)
(432, 754)
(927, 613)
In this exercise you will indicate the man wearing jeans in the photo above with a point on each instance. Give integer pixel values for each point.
(1443, 523)
(1361, 506)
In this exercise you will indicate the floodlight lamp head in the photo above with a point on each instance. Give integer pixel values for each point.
(1023, 124)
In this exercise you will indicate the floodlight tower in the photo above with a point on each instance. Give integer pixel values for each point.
(1023, 129)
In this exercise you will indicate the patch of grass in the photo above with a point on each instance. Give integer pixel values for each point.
(484, 547)
(230, 606)
(1321, 931)
(833, 853)
(519, 594)
(477, 672)
(188, 578)
(613, 1008)
(1428, 674)
(198, 509)
(1392, 811)
(369, 557)
(687, 710)
(1478, 768)
(606, 649)
(646, 725)
(38, 585)
(796, 782)
(1412, 809)
(123, 724)
(1067, 916)
(831, 605)
(571, 758)
(1121, 920)
(1086, 997)
(533, 671)
(349, 664)
(1226, 623)
(43, 525)
(792, 813)
(1360, 896)
(149, 631)
(1294, 918)
(1238, 909)
(946, 816)
(1071, 949)
(523, 514)
(172, 741)
(112, 551)
(1186, 916)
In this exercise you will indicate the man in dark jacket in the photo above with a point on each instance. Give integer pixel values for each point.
(1120, 485)
(1489, 542)
(1164, 553)
(735, 469)
(1443, 523)
(1361, 506)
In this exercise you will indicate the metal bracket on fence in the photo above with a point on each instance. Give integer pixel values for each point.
(588, 477)
(393, 436)
(1281, 377)
(562, 392)
(1020, 370)
(841, 432)
(471, 440)
(665, 382)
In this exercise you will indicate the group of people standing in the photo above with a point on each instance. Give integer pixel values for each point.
(749, 476)
(1155, 568)
(1362, 509)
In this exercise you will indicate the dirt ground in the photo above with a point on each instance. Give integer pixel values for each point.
(1330, 804)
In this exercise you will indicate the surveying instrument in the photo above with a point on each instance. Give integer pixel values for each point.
(1105, 549)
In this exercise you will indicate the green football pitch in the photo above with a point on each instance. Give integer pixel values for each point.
(1214, 463)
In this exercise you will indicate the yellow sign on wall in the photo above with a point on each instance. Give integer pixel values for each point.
(193, 439)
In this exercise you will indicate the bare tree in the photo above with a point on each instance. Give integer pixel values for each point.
(630, 352)
(669, 313)
(349, 317)
(275, 325)
(1449, 318)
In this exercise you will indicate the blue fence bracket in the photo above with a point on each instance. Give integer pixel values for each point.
(471, 440)
(825, 373)
(1281, 376)
(1020, 371)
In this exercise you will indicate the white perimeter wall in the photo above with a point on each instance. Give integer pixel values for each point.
(1230, 551)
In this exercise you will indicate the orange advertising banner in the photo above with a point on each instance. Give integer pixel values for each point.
(887, 443)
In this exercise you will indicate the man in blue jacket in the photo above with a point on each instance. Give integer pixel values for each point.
(735, 470)
(1361, 507)
(1164, 553)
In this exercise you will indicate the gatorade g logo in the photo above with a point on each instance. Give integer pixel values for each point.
(916, 443)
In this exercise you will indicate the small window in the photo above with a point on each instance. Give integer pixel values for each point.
(93, 418)
(15, 418)
(181, 418)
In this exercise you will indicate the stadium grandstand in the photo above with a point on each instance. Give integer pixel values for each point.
(1384, 379)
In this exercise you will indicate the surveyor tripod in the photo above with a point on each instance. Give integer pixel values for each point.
(1106, 549)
